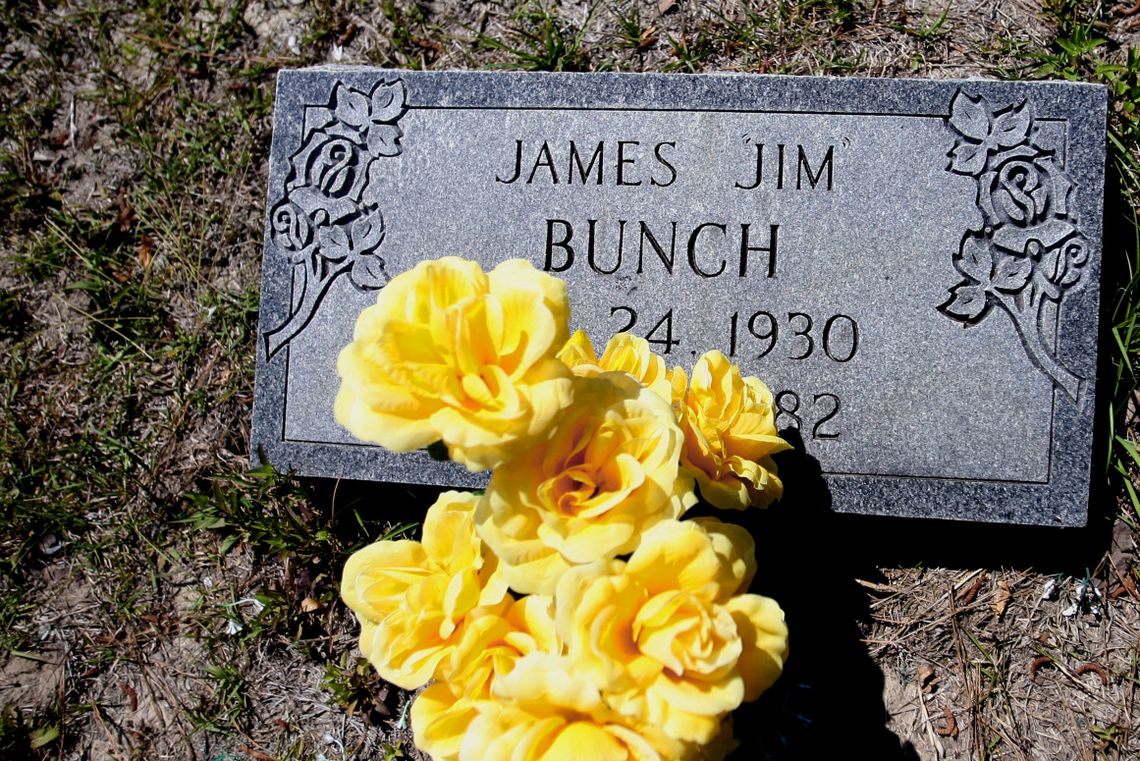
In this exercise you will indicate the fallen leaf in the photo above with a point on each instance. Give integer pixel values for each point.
(308, 605)
(1130, 585)
(146, 247)
(40, 737)
(132, 696)
(126, 213)
(1037, 663)
(1001, 599)
(255, 753)
(648, 38)
(664, 6)
(428, 44)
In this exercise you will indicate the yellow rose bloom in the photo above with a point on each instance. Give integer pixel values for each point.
(624, 353)
(544, 711)
(450, 353)
(607, 471)
(667, 636)
(411, 598)
(488, 650)
(730, 433)
(507, 733)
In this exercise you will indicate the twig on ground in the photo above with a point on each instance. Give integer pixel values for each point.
(112, 741)
(939, 751)
(967, 682)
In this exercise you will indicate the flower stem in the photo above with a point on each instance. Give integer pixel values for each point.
(313, 291)
(1028, 324)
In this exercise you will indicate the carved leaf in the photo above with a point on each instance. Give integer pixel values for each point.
(967, 303)
(367, 232)
(974, 260)
(969, 116)
(368, 273)
(388, 101)
(968, 158)
(384, 140)
(351, 106)
(1012, 127)
(1012, 273)
(335, 245)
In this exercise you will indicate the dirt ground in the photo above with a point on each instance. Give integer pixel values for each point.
(159, 601)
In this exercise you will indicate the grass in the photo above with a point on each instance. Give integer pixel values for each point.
(539, 40)
(131, 532)
(1078, 54)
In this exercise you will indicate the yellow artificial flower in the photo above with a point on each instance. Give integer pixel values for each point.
(544, 711)
(624, 353)
(607, 471)
(730, 433)
(667, 637)
(412, 597)
(488, 650)
(451, 353)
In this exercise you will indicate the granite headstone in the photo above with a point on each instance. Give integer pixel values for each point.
(912, 266)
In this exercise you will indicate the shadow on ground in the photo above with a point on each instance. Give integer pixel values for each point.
(829, 701)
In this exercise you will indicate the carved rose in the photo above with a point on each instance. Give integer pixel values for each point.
(1030, 249)
(291, 230)
(325, 221)
(1024, 190)
(336, 168)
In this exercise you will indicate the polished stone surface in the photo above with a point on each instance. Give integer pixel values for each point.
(912, 266)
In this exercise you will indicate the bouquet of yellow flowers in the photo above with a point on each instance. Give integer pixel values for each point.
(568, 612)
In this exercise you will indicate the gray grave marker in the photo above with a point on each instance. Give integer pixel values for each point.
(912, 266)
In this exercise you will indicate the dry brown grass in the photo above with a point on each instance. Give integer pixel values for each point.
(133, 149)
